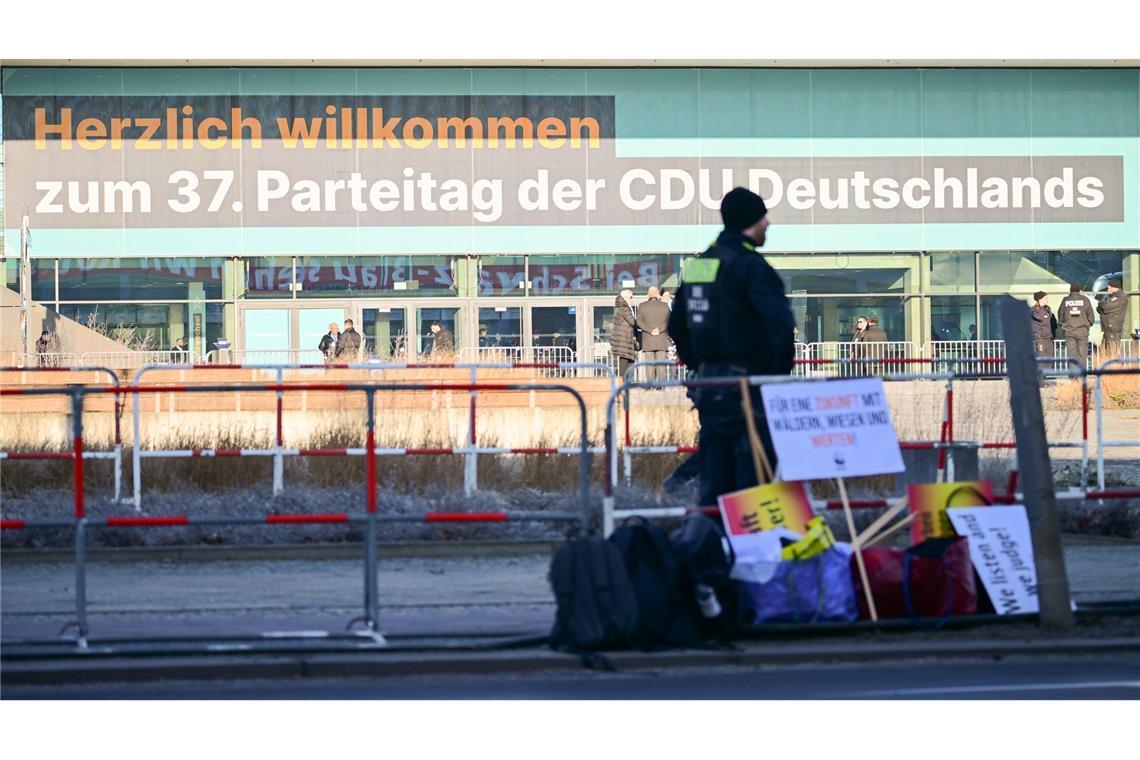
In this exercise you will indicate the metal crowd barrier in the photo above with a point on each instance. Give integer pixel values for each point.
(819, 358)
(371, 516)
(471, 451)
(945, 445)
(1098, 392)
(116, 453)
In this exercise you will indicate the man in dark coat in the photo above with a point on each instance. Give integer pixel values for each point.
(1111, 311)
(731, 318)
(623, 343)
(443, 342)
(874, 333)
(1044, 325)
(348, 345)
(653, 321)
(327, 346)
(1076, 317)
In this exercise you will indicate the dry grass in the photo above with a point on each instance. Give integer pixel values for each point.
(982, 413)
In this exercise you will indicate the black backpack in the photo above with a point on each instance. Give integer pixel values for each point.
(664, 614)
(597, 608)
(705, 557)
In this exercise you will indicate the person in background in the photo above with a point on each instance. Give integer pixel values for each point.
(873, 333)
(667, 298)
(348, 344)
(973, 332)
(44, 350)
(1076, 317)
(1044, 325)
(443, 342)
(327, 346)
(178, 350)
(653, 320)
(1111, 311)
(623, 341)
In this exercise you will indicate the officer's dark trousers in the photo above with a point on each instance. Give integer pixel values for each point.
(726, 458)
(1044, 348)
(1077, 347)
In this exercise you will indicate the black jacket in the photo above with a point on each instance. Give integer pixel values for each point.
(1111, 311)
(1076, 315)
(327, 345)
(1044, 323)
(758, 313)
(623, 342)
(348, 345)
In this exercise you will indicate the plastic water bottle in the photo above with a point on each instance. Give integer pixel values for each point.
(706, 598)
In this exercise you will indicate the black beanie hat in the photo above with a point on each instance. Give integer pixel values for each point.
(741, 208)
(1039, 295)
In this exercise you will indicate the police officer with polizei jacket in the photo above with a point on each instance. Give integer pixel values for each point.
(1111, 311)
(732, 318)
(1076, 317)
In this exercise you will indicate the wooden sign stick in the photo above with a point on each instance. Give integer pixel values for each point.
(890, 531)
(759, 457)
(858, 551)
(863, 538)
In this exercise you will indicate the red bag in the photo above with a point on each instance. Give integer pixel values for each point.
(934, 579)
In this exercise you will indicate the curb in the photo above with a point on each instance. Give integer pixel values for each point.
(376, 664)
(315, 551)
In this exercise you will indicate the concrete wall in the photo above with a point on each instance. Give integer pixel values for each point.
(72, 337)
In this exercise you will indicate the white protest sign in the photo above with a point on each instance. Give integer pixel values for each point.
(835, 429)
(1001, 550)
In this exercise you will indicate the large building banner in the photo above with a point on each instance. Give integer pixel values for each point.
(634, 162)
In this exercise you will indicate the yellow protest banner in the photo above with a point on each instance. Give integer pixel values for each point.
(773, 505)
(928, 503)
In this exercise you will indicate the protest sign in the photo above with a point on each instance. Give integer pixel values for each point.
(765, 507)
(760, 521)
(1002, 552)
(834, 429)
(928, 503)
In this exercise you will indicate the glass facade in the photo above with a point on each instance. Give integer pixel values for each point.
(916, 296)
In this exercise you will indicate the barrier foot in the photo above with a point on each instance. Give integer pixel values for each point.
(80, 635)
(607, 516)
(368, 632)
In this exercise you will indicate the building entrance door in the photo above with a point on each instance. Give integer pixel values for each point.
(385, 331)
(266, 336)
(313, 323)
(554, 332)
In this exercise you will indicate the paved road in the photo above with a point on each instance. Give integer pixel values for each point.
(1011, 678)
(489, 594)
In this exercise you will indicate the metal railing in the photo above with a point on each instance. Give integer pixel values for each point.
(820, 359)
(471, 451)
(49, 359)
(945, 445)
(1098, 394)
(371, 516)
(552, 355)
(116, 453)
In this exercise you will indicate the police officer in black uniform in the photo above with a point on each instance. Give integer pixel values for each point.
(731, 318)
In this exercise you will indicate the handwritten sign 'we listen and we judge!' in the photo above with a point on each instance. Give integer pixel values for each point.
(838, 429)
